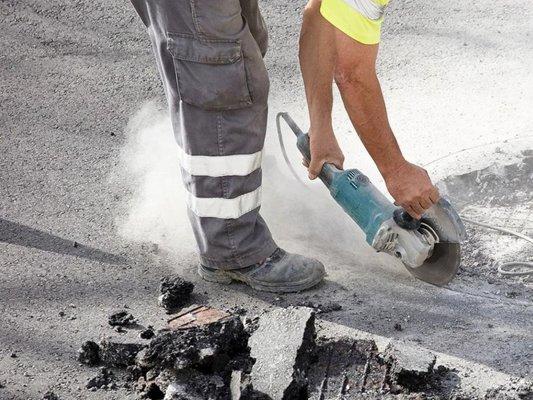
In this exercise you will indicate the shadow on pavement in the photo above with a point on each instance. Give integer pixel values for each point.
(22, 235)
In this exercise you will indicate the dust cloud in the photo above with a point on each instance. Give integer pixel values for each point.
(155, 211)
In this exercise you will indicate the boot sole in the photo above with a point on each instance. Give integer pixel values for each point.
(227, 277)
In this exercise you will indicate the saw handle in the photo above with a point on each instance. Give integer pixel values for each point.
(328, 170)
(302, 142)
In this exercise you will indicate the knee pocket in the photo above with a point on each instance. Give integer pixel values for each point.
(211, 73)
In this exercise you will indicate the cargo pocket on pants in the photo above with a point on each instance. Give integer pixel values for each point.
(211, 73)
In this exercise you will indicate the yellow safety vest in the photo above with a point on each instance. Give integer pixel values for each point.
(359, 19)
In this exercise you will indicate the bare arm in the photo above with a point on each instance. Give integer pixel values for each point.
(359, 86)
(326, 54)
(317, 63)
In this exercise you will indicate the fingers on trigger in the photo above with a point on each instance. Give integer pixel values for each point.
(426, 203)
(434, 195)
(419, 209)
(413, 213)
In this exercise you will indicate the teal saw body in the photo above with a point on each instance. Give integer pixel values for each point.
(429, 248)
(360, 199)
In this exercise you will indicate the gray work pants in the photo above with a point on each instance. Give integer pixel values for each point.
(209, 56)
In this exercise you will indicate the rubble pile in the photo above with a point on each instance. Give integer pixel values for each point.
(205, 353)
(202, 347)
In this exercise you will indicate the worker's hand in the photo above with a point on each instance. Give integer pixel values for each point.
(324, 149)
(411, 188)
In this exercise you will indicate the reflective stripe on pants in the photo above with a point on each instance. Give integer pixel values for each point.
(209, 57)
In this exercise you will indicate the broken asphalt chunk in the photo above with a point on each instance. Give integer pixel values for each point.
(191, 344)
(411, 366)
(175, 292)
(119, 352)
(134, 372)
(282, 347)
(89, 353)
(121, 318)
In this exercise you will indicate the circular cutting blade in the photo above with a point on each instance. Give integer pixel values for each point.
(440, 268)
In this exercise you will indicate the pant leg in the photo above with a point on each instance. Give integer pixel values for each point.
(256, 23)
(217, 88)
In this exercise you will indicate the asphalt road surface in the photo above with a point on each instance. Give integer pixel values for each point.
(74, 74)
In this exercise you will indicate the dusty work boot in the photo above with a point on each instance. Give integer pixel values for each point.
(281, 272)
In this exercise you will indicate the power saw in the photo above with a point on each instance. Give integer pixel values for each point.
(430, 248)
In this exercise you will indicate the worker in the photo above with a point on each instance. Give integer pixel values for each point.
(209, 54)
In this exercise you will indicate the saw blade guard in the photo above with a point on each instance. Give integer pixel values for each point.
(443, 263)
(432, 252)
(445, 221)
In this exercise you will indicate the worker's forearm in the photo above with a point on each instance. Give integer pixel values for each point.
(317, 58)
(364, 103)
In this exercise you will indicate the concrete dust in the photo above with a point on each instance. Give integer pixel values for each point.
(499, 195)
(155, 211)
